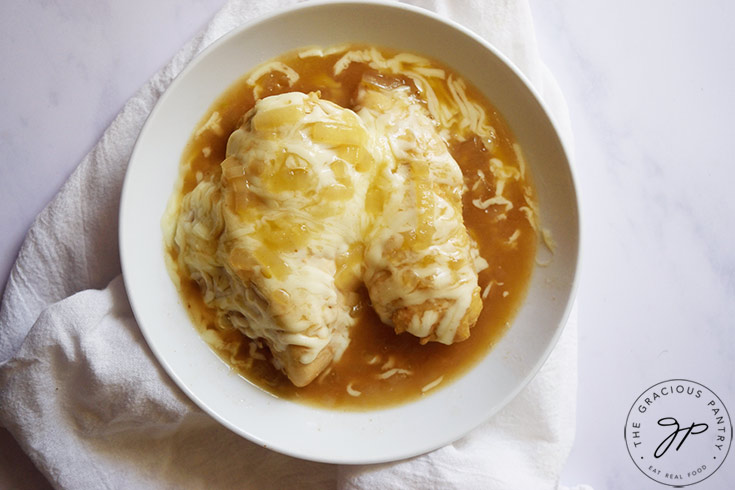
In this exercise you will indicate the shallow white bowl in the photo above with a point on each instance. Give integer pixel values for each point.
(304, 431)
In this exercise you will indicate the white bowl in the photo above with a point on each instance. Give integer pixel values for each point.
(304, 431)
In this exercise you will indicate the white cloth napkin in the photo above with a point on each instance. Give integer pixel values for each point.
(87, 401)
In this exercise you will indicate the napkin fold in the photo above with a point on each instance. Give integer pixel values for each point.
(86, 399)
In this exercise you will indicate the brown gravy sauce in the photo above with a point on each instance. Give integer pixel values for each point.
(375, 349)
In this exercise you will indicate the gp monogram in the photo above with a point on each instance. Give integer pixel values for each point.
(678, 432)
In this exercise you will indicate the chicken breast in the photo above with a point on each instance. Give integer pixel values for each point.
(292, 202)
(419, 269)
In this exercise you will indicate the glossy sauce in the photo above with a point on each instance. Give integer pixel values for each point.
(375, 351)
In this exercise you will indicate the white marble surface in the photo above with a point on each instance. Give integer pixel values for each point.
(651, 95)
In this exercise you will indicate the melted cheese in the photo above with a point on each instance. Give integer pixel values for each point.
(299, 226)
(418, 253)
(270, 67)
(265, 241)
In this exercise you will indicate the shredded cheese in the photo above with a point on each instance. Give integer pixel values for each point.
(393, 372)
(388, 364)
(530, 216)
(320, 52)
(493, 201)
(513, 239)
(521, 159)
(432, 385)
(486, 290)
(374, 360)
(213, 124)
(548, 239)
(272, 66)
(353, 392)
(253, 352)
